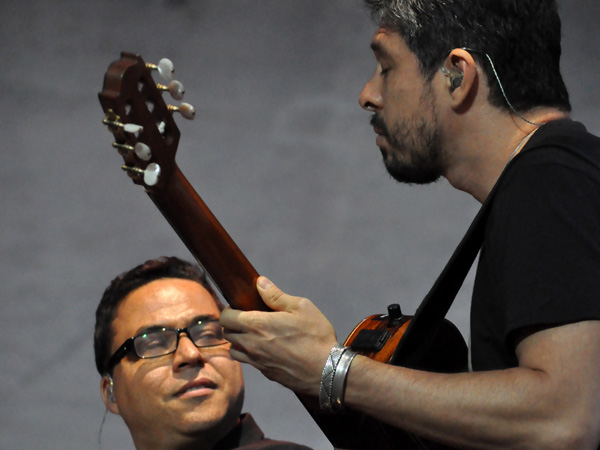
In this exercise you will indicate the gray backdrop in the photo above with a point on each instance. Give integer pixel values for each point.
(279, 150)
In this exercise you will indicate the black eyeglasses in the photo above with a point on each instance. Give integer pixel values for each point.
(162, 341)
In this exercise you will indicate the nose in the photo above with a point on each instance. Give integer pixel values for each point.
(370, 97)
(187, 354)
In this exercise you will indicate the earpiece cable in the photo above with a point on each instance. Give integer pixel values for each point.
(100, 430)
(502, 87)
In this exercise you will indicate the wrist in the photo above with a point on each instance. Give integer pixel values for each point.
(334, 376)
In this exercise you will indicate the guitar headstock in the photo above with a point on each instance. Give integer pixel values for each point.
(142, 123)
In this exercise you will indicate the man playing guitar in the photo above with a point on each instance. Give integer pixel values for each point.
(461, 88)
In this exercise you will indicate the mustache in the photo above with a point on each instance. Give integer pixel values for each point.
(378, 123)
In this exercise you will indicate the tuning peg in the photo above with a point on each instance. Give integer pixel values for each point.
(185, 109)
(141, 150)
(151, 174)
(164, 68)
(175, 88)
(127, 127)
(133, 128)
(122, 148)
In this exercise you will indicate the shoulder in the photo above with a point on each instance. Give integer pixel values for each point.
(561, 159)
(278, 445)
(249, 436)
(562, 142)
(269, 444)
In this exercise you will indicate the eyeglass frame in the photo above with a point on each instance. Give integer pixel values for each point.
(129, 345)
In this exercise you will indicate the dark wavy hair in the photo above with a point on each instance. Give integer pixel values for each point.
(522, 37)
(127, 282)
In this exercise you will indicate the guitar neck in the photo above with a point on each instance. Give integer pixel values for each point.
(208, 241)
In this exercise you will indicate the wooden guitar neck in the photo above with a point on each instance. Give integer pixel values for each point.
(209, 242)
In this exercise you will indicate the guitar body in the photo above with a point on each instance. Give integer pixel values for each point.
(146, 136)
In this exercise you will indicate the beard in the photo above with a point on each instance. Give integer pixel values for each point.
(414, 154)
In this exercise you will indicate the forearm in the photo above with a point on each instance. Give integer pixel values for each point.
(499, 409)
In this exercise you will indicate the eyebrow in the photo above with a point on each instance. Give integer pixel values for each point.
(154, 327)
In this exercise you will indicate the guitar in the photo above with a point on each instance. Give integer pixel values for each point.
(147, 137)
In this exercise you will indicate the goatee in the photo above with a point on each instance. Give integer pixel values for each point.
(413, 154)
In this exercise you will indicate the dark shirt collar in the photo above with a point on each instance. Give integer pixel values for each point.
(245, 432)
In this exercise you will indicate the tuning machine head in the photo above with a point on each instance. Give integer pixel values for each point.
(175, 88)
(150, 174)
(164, 68)
(185, 109)
(145, 132)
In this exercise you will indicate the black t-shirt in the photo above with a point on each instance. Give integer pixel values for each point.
(540, 260)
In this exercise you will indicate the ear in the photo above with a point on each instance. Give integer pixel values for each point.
(461, 77)
(108, 394)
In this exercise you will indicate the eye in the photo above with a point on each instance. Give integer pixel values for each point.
(383, 70)
(207, 333)
(211, 333)
(153, 340)
(153, 343)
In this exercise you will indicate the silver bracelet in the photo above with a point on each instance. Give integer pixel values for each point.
(331, 364)
(338, 386)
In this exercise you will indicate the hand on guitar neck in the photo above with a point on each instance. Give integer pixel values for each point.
(299, 354)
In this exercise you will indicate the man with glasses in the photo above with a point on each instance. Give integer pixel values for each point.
(165, 366)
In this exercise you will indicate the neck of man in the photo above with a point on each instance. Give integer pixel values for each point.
(205, 442)
(479, 149)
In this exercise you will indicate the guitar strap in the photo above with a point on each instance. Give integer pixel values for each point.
(423, 327)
